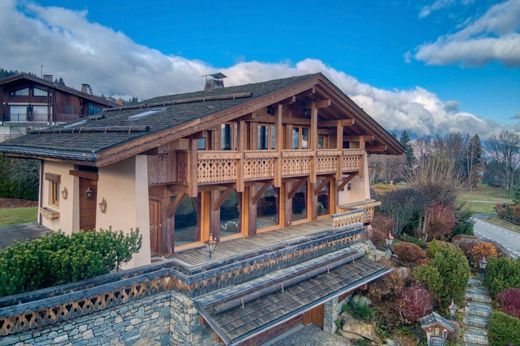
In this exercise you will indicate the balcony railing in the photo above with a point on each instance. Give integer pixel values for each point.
(217, 167)
(26, 118)
(366, 206)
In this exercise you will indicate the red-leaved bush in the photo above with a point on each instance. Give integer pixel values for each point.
(439, 222)
(410, 254)
(509, 301)
(416, 302)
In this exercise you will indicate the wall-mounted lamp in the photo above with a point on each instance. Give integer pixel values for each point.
(349, 186)
(90, 193)
(103, 206)
(64, 193)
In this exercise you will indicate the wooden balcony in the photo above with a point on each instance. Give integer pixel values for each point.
(218, 167)
(362, 211)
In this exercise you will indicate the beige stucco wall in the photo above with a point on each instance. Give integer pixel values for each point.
(360, 187)
(124, 186)
(68, 222)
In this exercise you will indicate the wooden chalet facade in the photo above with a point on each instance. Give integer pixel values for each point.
(276, 172)
(27, 102)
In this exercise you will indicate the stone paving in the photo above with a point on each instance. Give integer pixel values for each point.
(477, 312)
(21, 232)
(309, 335)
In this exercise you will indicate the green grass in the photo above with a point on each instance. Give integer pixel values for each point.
(503, 223)
(12, 216)
(482, 199)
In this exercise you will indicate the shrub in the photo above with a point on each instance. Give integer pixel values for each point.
(19, 178)
(381, 227)
(439, 222)
(417, 302)
(446, 275)
(465, 222)
(465, 243)
(480, 250)
(509, 301)
(503, 330)
(386, 288)
(378, 238)
(403, 207)
(360, 311)
(57, 259)
(410, 254)
(502, 273)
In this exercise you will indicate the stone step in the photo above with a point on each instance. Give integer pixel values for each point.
(482, 291)
(477, 309)
(475, 339)
(476, 331)
(477, 297)
(476, 321)
(473, 281)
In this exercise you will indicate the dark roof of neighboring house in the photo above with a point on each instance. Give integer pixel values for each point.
(256, 309)
(164, 116)
(57, 86)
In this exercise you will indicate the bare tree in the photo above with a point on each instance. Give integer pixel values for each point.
(386, 167)
(504, 148)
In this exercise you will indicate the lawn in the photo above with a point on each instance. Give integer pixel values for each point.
(11, 216)
(503, 223)
(482, 199)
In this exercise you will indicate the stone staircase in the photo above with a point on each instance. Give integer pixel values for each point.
(477, 313)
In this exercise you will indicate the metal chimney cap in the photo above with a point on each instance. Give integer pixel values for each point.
(217, 75)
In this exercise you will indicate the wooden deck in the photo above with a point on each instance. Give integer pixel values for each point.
(226, 249)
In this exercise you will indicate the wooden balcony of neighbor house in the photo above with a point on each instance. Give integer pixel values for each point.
(217, 167)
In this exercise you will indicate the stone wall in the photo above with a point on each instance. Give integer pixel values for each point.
(331, 311)
(164, 319)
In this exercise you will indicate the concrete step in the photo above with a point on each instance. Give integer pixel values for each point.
(476, 321)
(478, 309)
(477, 297)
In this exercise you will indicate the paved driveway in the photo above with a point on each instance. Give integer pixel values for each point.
(508, 239)
(22, 232)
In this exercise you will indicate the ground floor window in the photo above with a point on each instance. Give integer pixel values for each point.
(186, 217)
(299, 203)
(324, 198)
(230, 215)
(267, 208)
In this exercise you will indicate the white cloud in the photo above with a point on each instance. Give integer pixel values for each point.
(493, 36)
(71, 46)
(435, 6)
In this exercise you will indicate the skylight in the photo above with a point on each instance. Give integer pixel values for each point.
(146, 113)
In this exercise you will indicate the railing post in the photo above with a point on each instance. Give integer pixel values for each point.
(313, 140)
(362, 163)
(279, 147)
(339, 146)
(192, 167)
(241, 148)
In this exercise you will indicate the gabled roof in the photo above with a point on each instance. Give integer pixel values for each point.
(51, 84)
(162, 119)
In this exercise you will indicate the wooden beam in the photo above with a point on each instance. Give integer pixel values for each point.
(377, 148)
(173, 205)
(261, 191)
(86, 175)
(222, 198)
(344, 182)
(366, 138)
(320, 187)
(295, 186)
(324, 103)
(333, 123)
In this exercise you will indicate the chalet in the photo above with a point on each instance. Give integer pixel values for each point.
(274, 172)
(27, 102)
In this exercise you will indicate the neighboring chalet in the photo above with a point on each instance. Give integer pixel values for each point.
(29, 102)
(276, 172)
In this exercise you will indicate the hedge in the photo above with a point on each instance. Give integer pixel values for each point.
(19, 178)
(503, 330)
(502, 273)
(58, 259)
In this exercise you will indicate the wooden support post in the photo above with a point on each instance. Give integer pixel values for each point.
(192, 167)
(288, 136)
(339, 146)
(214, 214)
(313, 140)
(295, 186)
(324, 182)
(260, 191)
(174, 204)
(222, 198)
(279, 146)
(287, 204)
(313, 202)
(344, 182)
(362, 163)
(241, 148)
(251, 211)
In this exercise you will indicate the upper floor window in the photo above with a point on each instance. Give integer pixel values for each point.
(93, 109)
(266, 137)
(20, 92)
(323, 142)
(39, 92)
(300, 139)
(225, 137)
(202, 143)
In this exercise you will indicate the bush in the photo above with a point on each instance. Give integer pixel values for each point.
(19, 178)
(360, 311)
(410, 254)
(509, 301)
(386, 288)
(502, 273)
(57, 259)
(465, 222)
(480, 250)
(503, 330)
(465, 243)
(416, 303)
(439, 222)
(403, 207)
(446, 275)
(381, 227)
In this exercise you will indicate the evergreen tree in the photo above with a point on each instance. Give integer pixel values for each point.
(408, 150)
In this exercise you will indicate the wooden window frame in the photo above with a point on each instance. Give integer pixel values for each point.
(203, 225)
(300, 137)
(281, 200)
(326, 141)
(308, 204)
(54, 188)
(271, 134)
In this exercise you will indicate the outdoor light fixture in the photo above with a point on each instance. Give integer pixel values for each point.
(64, 193)
(90, 193)
(103, 206)
(210, 246)
(389, 240)
(483, 263)
(453, 309)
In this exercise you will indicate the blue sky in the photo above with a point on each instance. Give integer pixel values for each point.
(405, 61)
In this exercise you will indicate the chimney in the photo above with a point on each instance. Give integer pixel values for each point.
(85, 88)
(47, 77)
(214, 81)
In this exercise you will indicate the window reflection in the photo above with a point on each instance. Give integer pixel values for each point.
(267, 209)
(230, 215)
(299, 204)
(324, 200)
(305, 137)
(296, 138)
(186, 222)
(225, 143)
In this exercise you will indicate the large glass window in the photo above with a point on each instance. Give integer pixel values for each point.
(230, 215)
(39, 92)
(299, 204)
(39, 113)
(93, 109)
(186, 222)
(305, 137)
(225, 140)
(20, 92)
(263, 137)
(324, 199)
(296, 138)
(18, 113)
(267, 208)
(300, 139)
(323, 142)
